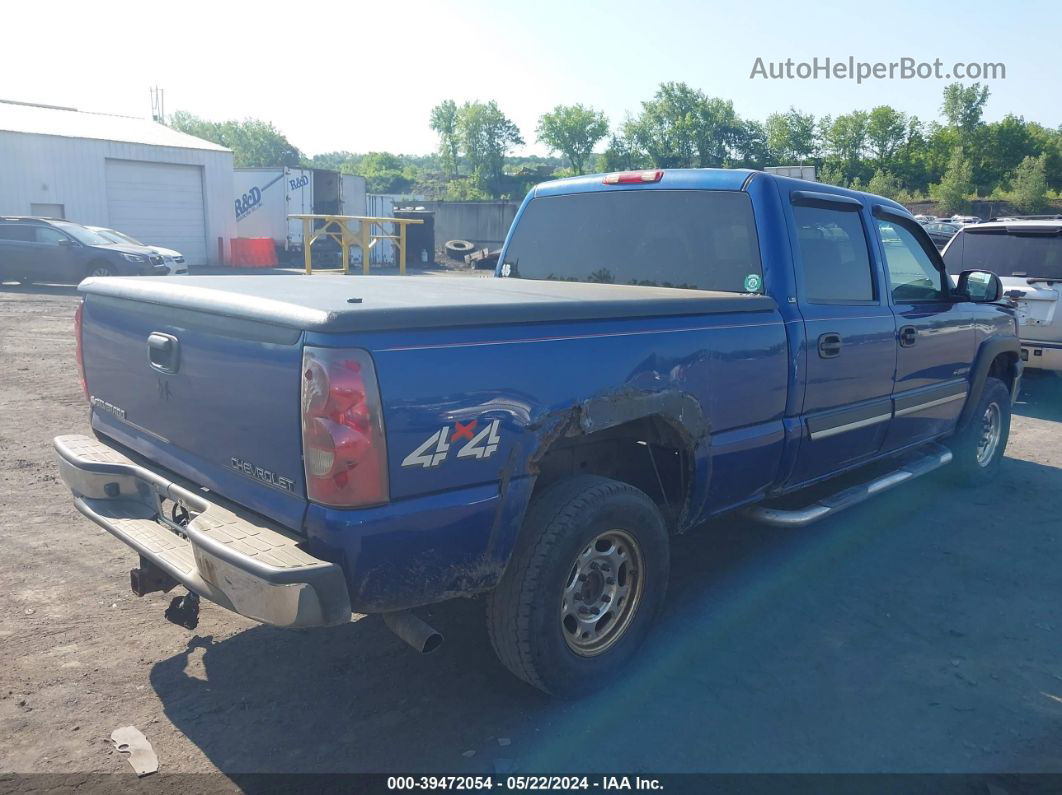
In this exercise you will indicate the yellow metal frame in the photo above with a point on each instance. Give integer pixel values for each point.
(338, 227)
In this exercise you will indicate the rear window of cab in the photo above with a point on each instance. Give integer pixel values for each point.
(695, 239)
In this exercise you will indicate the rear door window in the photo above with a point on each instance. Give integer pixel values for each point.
(662, 238)
(20, 232)
(834, 255)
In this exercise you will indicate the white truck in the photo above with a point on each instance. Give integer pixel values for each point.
(265, 197)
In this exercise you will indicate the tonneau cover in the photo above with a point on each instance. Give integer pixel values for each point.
(335, 303)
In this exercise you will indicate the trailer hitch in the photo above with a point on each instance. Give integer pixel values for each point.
(149, 578)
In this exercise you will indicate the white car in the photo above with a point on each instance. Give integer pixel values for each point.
(965, 219)
(1026, 254)
(174, 260)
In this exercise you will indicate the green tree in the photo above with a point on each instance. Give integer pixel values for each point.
(572, 130)
(844, 141)
(884, 184)
(680, 127)
(1029, 185)
(385, 173)
(1009, 142)
(956, 185)
(621, 155)
(846, 137)
(718, 131)
(1049, 143)
(444, 122)
(666, 129)
(750, 145)
(791, 136)
(963, 106)
(254, 143)
(487, 135)
(886, 132)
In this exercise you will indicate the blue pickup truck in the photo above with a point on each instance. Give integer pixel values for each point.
(656, 348)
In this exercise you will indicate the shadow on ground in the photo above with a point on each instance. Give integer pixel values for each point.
(908, 634)
(1041, 396)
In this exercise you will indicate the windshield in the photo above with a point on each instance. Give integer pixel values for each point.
(1007, 253)
(668, 238)
(83, 235)
(117, 237)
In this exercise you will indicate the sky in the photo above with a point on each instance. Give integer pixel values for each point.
(361, 77)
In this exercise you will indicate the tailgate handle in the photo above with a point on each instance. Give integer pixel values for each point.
(163, 352)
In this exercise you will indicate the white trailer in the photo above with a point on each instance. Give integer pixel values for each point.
(265, 197)
(797, 172)
(353, 195)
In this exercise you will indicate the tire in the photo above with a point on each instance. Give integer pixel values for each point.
(584, 526)
(100, 269)
(457, 249)
(978, 448)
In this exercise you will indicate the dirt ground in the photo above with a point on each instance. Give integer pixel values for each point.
(919, 632)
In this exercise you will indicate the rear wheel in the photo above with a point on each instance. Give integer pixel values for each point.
(978, 448)
(584, 584)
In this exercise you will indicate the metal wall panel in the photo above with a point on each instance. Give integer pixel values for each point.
(47, 169)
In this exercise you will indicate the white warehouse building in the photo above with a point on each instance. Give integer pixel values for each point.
(160, 186)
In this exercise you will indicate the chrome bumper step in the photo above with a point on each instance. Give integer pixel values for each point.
(922, 462)
(231, 557)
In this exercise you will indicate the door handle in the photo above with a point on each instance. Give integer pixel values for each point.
(829, 345)
(163, 352)
(908, 336)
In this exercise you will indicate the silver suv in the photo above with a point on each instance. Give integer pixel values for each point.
(1026, 253)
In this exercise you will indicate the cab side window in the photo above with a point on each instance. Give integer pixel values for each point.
(912, 274)
(834, 255)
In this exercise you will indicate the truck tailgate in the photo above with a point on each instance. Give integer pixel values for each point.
(212, 398)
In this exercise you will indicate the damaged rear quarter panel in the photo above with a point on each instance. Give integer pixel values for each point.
(715, 373)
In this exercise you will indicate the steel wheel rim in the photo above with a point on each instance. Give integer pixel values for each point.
(991, 431)
(100, 272)
(602, 593)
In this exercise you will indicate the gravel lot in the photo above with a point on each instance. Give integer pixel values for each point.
(919, 632)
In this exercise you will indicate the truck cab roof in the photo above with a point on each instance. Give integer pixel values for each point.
(734, 179)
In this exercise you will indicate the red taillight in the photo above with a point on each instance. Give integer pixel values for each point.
(78, 352)
(634, 177)
(343, 445)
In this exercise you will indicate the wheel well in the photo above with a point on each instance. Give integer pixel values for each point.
(649, 453)
(1004, 367)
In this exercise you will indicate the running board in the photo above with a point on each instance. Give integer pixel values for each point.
(921, 463)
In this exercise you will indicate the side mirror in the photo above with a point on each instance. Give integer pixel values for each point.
(981, 287)
(67, 242)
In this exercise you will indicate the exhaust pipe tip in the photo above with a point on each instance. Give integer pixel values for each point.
(413, 630)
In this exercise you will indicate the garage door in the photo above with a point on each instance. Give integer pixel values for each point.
(160, 204)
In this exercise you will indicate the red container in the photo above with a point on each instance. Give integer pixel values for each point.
(253, 252)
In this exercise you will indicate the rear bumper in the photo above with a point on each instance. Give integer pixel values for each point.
(233, 559)
(1042, 355)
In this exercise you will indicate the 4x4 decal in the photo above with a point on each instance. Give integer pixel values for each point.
(478, 444)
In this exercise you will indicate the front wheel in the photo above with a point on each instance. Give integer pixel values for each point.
(978, 448)
(584, 584)
(100, 269)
